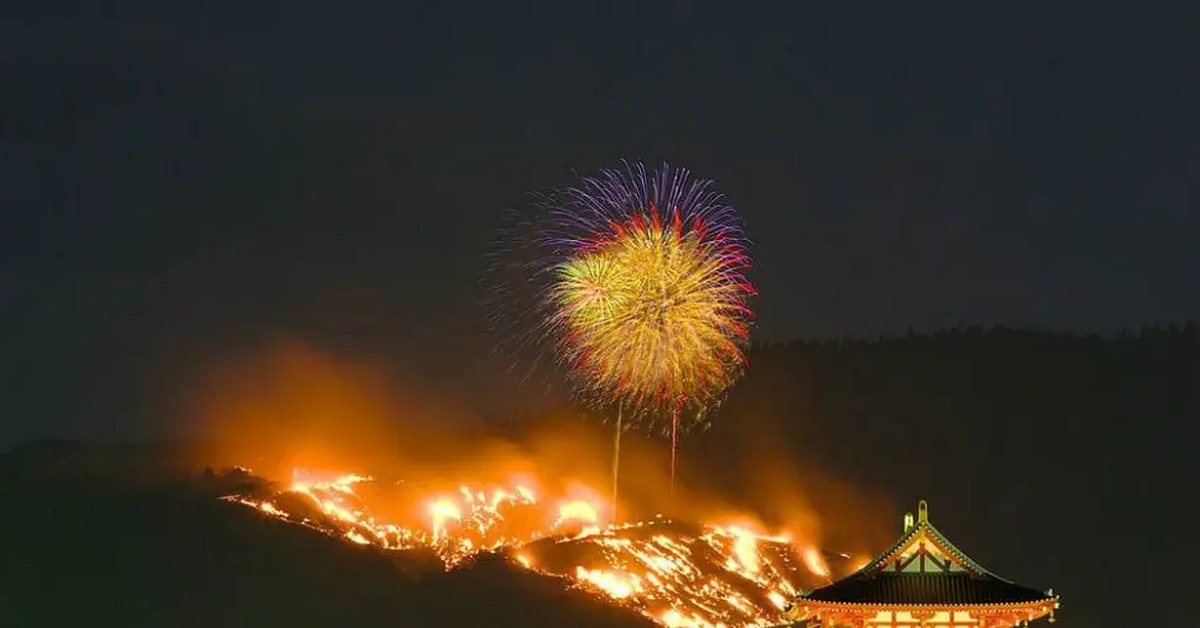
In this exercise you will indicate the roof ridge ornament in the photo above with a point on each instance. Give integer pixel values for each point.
(922, 511)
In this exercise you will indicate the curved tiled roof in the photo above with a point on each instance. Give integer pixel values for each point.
(924, 589)
(968, 584)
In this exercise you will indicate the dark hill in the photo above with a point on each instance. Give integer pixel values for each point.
(1056, 460)
(173, 555)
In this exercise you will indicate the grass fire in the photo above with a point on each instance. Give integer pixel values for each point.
(396, 470)
(730, 573)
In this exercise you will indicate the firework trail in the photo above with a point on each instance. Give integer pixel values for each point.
(636, 282)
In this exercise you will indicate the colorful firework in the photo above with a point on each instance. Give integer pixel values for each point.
(646, 294)
(638, 287)
(651, 314)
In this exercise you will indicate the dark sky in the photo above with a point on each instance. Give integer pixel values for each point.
(178, 179)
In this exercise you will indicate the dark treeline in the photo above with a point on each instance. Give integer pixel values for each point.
(1000, 391)
(1039, 451)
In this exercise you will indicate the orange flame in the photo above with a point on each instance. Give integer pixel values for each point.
(576, 510)
(815, 563)
(697, 576)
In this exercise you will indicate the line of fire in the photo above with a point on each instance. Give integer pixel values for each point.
(675, 573)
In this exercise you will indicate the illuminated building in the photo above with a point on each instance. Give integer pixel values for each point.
(922, 581)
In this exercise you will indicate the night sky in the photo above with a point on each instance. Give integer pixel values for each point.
(178, 178)
(179, 181)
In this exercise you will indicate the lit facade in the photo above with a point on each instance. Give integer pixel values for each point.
(922, 581)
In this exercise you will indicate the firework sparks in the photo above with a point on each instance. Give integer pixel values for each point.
(651, 317)
(635, 282)
(646, 294)
(676, 574)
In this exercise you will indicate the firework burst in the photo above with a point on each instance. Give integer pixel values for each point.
(645, 294)
(649, 314)
(638, 286)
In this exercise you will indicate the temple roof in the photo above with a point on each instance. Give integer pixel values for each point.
(925, 589)
(924, 568)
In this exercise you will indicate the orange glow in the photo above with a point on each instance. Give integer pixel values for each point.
(440, 512)
(676, 619)
(616, 584)
(815, 563)
(676, 574)
(578, 511)
(541, 497)
(745, 549)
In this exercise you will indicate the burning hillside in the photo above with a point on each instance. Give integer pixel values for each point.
(677, 574)
(423, 483)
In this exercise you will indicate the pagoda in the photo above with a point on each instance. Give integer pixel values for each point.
(922, 581)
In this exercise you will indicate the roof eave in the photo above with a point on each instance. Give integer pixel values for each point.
(1034, 609)
(943, 605)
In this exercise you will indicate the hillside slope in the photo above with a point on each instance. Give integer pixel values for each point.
(99, 553)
